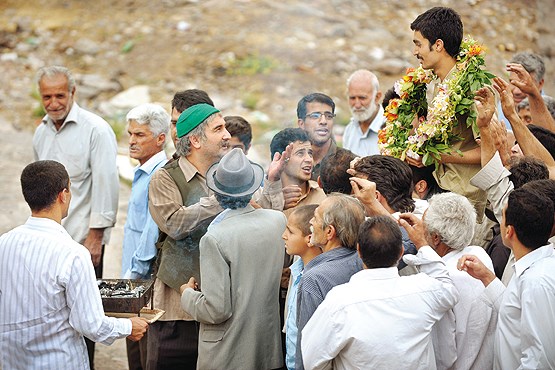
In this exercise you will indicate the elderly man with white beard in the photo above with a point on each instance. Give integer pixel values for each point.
(361, 134)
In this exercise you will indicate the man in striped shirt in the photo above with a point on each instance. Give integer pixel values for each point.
(335, 230)
(49, 297)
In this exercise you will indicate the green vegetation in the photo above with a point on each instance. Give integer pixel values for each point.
(251, 65)
(119, 125)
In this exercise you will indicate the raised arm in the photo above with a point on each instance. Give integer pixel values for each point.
(538, 110)
(528, 143)
(485, 104)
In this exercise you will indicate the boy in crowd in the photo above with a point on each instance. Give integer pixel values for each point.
(297, 237)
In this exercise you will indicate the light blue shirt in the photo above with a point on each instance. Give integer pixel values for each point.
(363, 143)
(291, 321)
(140, 231)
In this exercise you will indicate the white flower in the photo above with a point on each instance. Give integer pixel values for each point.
(397, 87)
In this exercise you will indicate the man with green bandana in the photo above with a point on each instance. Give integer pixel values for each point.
(182, 206)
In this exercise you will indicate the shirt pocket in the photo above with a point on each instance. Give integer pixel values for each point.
(212, 335)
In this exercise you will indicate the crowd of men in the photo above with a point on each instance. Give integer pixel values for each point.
(332, 257)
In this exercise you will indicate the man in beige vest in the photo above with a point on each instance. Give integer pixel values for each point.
(182, 206)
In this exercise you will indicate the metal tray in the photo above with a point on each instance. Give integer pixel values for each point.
(128, 304)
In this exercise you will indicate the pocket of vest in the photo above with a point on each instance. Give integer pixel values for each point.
(212, 335)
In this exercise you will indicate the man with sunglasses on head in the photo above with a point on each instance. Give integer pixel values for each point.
(315, 114)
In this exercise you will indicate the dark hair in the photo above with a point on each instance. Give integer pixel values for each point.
(41, 182)
(239, 127)
(333, 172)
(526, 169)
(388, 96)
(393, 179)
(187, 98)
(532, 63)
(426, 174)
(545, 137)
(303, 214)
(285, 137)
(531, 215)
(380, 242)
(229, 202)
(545, 187)
(314, 97)
(441, 23)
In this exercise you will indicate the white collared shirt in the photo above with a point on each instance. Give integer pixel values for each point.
(474, 324)
(380, 320)
(525, 337)
(49, 300)
(363, 143)
(86, 146)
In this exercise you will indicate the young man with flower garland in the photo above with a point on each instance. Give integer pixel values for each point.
(444, 85)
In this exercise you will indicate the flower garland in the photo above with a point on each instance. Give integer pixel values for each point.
(433, 135)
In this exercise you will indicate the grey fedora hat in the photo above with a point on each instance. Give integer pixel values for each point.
(234, 175)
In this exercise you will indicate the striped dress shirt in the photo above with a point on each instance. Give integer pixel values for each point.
(49, 300)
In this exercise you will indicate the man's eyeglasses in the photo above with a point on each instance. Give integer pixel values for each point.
(316, 115)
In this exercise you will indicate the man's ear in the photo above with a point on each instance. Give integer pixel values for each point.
(509, 231)
(161, 140)
(319, 181)
(331, 232)
(300, 123)
(63, 196)
(438, 45)
(421, 186)
(195, 141)
(379, 96)
(436, 239)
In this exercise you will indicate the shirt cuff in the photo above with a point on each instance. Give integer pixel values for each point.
(490, 174)
(494, 291)
(272, 187)
(102, 220)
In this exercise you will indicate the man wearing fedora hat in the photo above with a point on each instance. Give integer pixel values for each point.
(183, 206)
(241, 257)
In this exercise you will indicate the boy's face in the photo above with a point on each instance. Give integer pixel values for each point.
(295, 242)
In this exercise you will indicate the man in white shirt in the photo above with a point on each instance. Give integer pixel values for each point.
(380, 320)
(361, 134)
(86, 145)
(463, 338)
(525, 335)
(49, 295)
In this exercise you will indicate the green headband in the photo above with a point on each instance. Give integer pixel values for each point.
(192, 117)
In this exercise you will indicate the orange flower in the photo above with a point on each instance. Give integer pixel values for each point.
(391, 117)
(475, 50)
(382, 139)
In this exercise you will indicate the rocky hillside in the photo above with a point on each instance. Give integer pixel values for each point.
(256, 58)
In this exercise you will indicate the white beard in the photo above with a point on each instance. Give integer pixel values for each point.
(367, 113)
